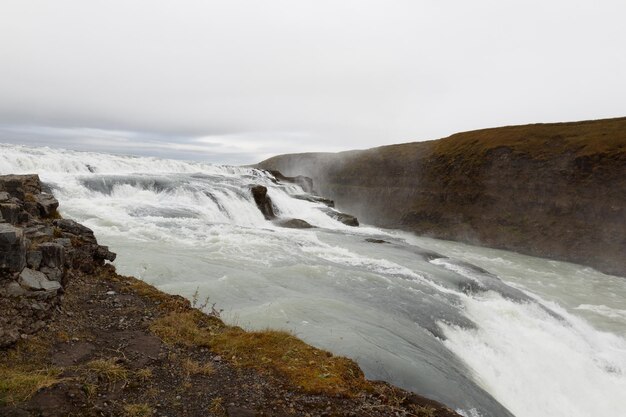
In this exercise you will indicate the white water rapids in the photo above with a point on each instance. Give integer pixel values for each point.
(489, 333)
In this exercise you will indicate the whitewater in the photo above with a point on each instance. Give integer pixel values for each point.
(489, 333)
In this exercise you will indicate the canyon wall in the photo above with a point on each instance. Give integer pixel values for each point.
(551, 190)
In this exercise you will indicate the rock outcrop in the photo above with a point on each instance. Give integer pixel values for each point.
(37, 252)
(263, 202)
(551, 190)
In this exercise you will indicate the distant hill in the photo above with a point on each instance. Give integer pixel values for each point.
(551, 190)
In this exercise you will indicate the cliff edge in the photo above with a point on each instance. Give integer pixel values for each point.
(550, 190)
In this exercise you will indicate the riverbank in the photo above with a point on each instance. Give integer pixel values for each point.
(80, 339)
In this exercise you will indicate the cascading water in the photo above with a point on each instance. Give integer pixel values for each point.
(490, 333)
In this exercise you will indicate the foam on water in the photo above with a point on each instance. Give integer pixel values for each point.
(486, 332)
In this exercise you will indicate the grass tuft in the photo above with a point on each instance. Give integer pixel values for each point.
(17, 385)
(108, 370)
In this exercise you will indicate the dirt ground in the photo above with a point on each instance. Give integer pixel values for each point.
(104, 354)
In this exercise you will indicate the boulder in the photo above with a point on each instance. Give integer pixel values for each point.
(263, 202)
(76, 229)
(47, 204)
(52, 254)
(294, 224)
(4, 197)
(344, 218)
(33, 259)
(12, 248)
(11, 213)
(103, 252)
(37, 281)
(19, 186)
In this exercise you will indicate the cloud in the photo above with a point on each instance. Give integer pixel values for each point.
(243, 79)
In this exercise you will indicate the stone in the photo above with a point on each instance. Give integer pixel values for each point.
(103, 252)
(64, 241)
(314, 199)
(38, 231)
(344, 218)
(10, 213)
(53, 274)
(20, 185)
(305, 183)
(33, 259)
(4, 197)
(13, 289)
(75, 228)
(36, 281)
(12, 248)
(53, 254)
(263, 202)
(294, 224)
(47, 204)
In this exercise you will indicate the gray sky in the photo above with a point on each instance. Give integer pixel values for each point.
(236, 81)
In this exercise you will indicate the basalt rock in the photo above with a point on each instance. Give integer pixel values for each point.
(344, 218)
(263, 202)
(37, 255)
(12, 249)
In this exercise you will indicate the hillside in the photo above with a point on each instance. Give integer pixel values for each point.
(550, 190)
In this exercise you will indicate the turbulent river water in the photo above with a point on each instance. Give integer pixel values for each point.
(489, 333)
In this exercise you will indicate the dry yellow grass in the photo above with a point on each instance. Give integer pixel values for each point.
(308, 368)
(17, 385)
(108, 369)
(192, 367)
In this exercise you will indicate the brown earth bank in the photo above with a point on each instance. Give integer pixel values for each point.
(78, 339)
(551, 190)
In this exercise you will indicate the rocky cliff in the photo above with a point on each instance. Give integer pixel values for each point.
(550, 190)
(37, 248)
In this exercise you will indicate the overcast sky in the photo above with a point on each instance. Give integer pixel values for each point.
(237, 81)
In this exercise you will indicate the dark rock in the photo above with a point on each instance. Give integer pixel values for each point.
(294, 224)
(47, 204)
(103, 252)
(53, 254)
(12, 248)
(315, 199)
(344, 218)
(53, 274)
(33, 259)
(76, 229)
(305, 182)
(375, 240)
(263, 202)
(11, 213)
(38, 231)
(19, 186)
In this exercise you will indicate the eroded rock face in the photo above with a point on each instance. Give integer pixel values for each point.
(36, 253)
(263, 202)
